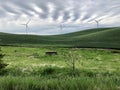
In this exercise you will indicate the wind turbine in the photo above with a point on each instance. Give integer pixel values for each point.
(97, 22)
(26, 25)
(60, 26)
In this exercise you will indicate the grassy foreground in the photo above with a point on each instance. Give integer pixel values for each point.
(77, 83)
(31, 69)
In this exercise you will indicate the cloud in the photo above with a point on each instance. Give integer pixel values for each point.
(60, 11)
(77, 7)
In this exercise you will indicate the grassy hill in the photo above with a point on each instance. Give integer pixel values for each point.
(97, 38)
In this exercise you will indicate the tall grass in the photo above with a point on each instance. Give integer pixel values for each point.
(68, 83)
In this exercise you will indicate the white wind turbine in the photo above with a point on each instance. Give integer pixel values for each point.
(97, 22)
(26, 25)
(60, 26)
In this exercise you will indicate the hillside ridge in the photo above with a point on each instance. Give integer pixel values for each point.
(99, 38)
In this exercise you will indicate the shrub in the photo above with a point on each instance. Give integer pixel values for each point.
(36, 55)
(48, 71)
(72, 58)
(2, 64)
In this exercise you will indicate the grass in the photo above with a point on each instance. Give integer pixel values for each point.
(30, 69)
(39, 83)
(97, 38)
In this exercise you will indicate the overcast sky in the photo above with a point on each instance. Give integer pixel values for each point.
(47, 15)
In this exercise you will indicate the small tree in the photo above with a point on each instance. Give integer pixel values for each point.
(72, 58)
(2, 64)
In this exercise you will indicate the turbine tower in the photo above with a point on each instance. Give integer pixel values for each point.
(61, 27)
(97, 22)
(26, 25)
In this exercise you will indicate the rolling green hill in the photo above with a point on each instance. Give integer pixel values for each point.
(97, 38)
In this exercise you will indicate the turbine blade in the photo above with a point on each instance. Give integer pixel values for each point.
(100, 19)
(23, 24)
(96, 21)
(28, 21)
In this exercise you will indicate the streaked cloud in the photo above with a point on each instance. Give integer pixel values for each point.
(49, 12)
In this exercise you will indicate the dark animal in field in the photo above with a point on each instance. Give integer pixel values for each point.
(51, 53)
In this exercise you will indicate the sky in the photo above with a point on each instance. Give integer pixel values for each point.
(47, 16)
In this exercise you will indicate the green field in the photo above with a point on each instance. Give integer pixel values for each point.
(95, 52)
(30, 69)
(93, 38)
